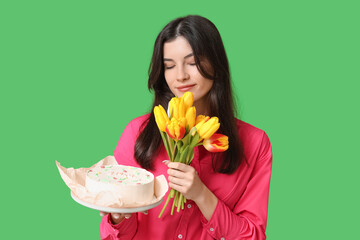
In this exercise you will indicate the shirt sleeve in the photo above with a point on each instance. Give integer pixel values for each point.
(125, 230)
(248, 218)
(124, 151)
(124, 155)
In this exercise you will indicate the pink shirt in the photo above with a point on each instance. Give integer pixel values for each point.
(241, 212)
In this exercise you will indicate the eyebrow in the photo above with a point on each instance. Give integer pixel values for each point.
(187, 56)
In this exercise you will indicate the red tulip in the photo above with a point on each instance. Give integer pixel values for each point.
(216, 143)
(176, 128)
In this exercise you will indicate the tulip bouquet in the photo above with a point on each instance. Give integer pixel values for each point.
(181, 131)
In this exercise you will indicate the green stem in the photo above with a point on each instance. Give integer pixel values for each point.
(180, 203)
(166, 203)
(174, 202)
(173, 153)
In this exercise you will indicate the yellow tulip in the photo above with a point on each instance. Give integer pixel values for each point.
(176, 128)
(207, 128)
(174, 107)
(178, 106)
(182, 108)
(188, 99)
(161, 117)
(190, 117)
(200, 118)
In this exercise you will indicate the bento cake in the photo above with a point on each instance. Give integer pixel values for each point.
(131, 184)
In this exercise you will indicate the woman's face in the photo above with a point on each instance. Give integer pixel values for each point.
(181, 73)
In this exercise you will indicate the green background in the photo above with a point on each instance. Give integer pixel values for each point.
(74, 73)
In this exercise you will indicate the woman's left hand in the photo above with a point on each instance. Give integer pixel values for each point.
(185, 179)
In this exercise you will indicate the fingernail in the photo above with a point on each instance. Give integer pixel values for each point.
(165, 161)
(146, 212)
(116, 216)
(127, 216)
(102, 214)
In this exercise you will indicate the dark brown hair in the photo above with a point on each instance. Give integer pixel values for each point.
(206, 43)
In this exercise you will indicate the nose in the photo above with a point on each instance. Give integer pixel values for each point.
(182, 75)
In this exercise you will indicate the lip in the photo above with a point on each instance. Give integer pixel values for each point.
(185, 88)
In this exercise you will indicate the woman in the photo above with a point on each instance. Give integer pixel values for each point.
(227, 192)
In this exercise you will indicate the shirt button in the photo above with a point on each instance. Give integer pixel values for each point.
(222, 238)
(179, 236)
(189, 205)
(211, 229)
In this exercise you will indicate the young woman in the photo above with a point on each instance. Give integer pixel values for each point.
(227, 192)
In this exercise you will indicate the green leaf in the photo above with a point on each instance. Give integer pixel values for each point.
(166, 143)
(177, 157)
(193, 129)
(186, 129)
(171, 112)
(195, 140)
(183, 155)
(186, 139)
(179, 145)
(190, 156)
(171, 143)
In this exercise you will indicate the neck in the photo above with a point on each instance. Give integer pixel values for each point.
(202, 107)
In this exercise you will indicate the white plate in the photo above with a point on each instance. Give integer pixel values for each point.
(116, 210)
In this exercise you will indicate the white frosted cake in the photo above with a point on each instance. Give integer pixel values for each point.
(131, 184)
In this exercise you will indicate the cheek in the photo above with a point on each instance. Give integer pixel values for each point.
(169, 80)
(209, 84)
(206, 85)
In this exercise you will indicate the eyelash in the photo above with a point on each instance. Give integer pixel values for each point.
(191, 64)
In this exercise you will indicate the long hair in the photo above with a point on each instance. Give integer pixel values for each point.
(206, 43)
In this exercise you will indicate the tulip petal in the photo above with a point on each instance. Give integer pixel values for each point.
(208, 126)
(164, 114)
(201, 123)
(199, 119)
(211, 131)
(216, 143)
(182, 108)
(176, 128)
(188, 99)
(159, 118)
(190, 117)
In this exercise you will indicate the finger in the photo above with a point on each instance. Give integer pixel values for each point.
(179, 166)
(176, 173)
(178, 188)
(115, 215)
(102, 213)
(177, 181)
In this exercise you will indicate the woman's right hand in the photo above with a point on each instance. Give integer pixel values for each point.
(116, 218)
